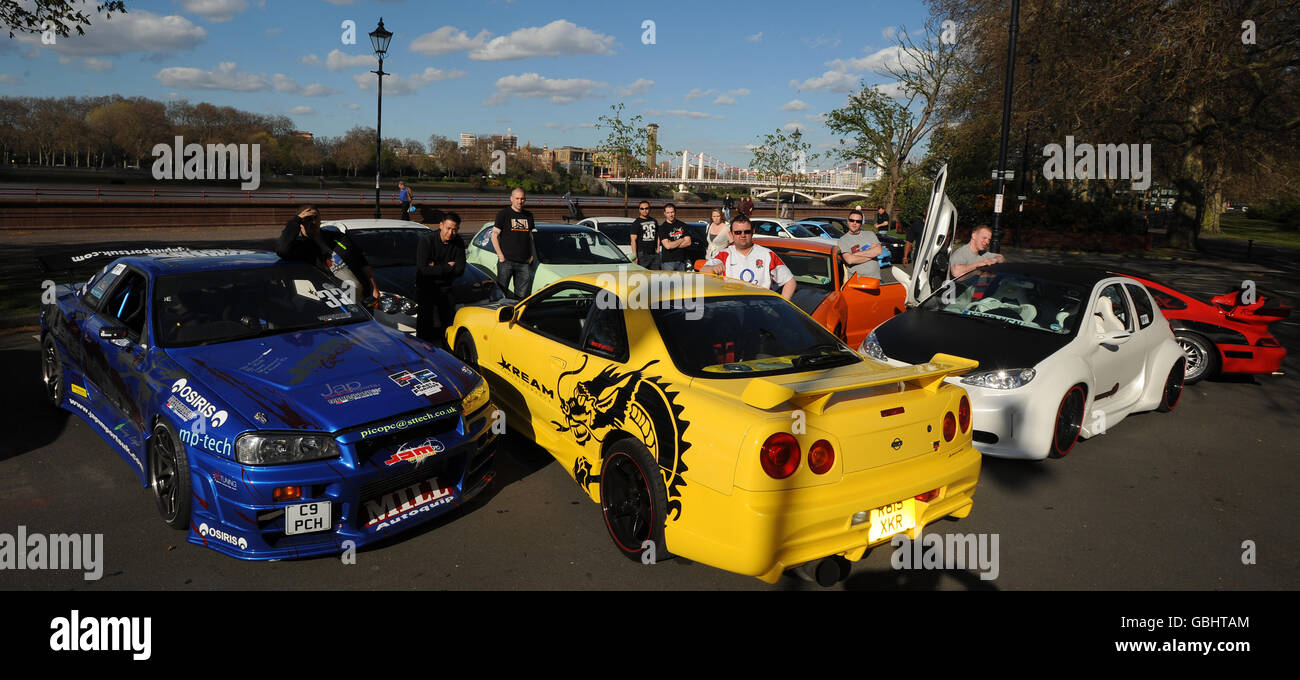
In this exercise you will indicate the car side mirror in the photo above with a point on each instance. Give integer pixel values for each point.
(506, 314)
(113, 333)
(699, 264)
(1115, 337)
(863, 283)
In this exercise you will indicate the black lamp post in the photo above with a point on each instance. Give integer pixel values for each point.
(995, 245)
(1024, 156)
(379, 39)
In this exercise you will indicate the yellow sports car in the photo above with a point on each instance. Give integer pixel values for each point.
(714, 420)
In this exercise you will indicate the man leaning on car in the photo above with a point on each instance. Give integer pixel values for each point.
(439, 260)
(303, 240)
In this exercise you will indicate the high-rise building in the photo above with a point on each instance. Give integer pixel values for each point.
(507, 142)
(468, 140)
(652, 144)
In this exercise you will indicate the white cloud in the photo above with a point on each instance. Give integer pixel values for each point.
(757, 37)
(397, 85)
(795, 105)
(560, 37)
(227, 76)
(697, 93)
(822, 41)
(819, 118)
(9, 79)
(740, 92)
(724, 100)
(138, 31)
(283, 83)
(891, 57)
(889, 32)
(310, 60)
(338, 60)
(641, 86)
(354, 106)
(892, 90)
(448, 39)
(793, 126)
(88, 64)
(301, 111)
(532, 85)
(834, 81)
(683, 113)
(214, 10)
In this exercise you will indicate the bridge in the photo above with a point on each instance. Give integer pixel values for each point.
(849, 180)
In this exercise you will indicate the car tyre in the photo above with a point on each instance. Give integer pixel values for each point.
(465, 349)
(1173, 387)
(52, 372)
(633, 501)
(1202, 357)
(1069, 421)
(169, 477)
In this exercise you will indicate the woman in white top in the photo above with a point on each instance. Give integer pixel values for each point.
(719, 234)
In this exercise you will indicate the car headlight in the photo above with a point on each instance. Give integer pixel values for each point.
(281, 448)
(871, 347)
(1006, 379)
(392, 303)
(475, 398)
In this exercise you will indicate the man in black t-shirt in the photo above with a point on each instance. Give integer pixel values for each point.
(645, 238)
(882, 220)
(439, 260)
(512, 239)
(674, 239)
(303, 240)
(914, 233)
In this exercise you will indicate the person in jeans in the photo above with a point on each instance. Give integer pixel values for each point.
(439, 261)
(645, 245)
(674, 239)
(404, 197)
(512, 239)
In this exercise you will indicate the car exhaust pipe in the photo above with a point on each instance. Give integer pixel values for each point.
(831, 570)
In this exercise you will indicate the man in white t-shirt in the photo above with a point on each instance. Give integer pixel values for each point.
(750, 263)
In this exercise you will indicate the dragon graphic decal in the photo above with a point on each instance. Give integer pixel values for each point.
(628, 402)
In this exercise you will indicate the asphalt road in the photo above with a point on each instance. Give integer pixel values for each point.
(1163, 501)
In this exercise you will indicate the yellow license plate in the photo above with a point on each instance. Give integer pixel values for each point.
(891, 519)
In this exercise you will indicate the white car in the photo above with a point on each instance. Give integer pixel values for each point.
(781, 227)
(1064, 352)
(618, 229)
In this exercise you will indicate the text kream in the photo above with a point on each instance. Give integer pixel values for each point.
(216, 161)
(1105, 161)
(650, 290)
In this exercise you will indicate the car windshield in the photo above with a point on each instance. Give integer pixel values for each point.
(209, 307)
(809, 269)
(744, 336)
(800, 231)
(1013, 299)
(389, 247)
(829, 229)
(556, 246)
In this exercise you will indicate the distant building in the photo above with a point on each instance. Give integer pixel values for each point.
(652, 144)
(468, 140)
(303, 134)
(574, 160)
(507, 142)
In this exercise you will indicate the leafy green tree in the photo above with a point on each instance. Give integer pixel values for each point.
(625, 141)
(782, 158)
(31, 16)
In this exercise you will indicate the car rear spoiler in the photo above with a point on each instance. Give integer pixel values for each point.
(814, 395)
(1256, 312)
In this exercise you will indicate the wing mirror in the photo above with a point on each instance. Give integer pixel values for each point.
(863, 283)
(506, 314)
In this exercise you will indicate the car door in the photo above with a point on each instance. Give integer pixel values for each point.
(1118, 354)
(767, 228)
(116, 336)
(931, 268)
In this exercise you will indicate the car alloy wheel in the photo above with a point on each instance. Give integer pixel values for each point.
(1201, 357)
(52, 371)
(1173, 387)
(632, 500)
(170, 478)
(1069, 421)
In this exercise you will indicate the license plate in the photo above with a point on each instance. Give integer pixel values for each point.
(306, 518)
(890, 519)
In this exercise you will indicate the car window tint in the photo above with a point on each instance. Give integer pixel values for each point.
(766, 229)
(100, 285)
(126, 304)
(560, 313)
(606, 335)
(1141, 304)
(389, 247)
(621, 232)
(484, 239)
(809, 269)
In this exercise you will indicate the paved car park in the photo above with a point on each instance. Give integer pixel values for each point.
(1163, 502)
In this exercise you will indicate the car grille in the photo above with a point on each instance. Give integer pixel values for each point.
(368, 448)
(448, 467)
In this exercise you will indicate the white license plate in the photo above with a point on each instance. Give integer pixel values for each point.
(890, 519)
(306, 518)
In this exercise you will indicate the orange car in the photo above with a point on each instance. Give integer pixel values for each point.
(848, 306)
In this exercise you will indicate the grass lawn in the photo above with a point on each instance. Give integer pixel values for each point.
(1238, 226)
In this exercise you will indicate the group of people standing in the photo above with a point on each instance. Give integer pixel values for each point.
(660, 245)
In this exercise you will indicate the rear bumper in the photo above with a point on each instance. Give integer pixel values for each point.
(234, 512)
(1248, 359)
(768, 532)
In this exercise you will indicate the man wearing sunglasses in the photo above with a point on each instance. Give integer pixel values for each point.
(645, 241)
(749, 262)
(303, 240)
(859, 249)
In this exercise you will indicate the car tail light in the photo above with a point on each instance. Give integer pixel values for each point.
(780, 455)
(1267, 342)
(928, 496)
(963, 413)
(282, 494)
(949, 427)
(821, 457)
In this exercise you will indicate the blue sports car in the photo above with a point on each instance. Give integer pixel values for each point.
(271, 416)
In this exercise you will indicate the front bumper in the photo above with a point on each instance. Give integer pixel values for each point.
(234, 512)
(768, 532)
(1011, 423)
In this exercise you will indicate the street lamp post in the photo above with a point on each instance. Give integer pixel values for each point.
(995, 245)
(379, 39)
(1024, 156)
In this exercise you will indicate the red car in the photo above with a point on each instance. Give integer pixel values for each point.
(1223, 335)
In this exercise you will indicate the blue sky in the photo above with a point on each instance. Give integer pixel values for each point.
(718, 75)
